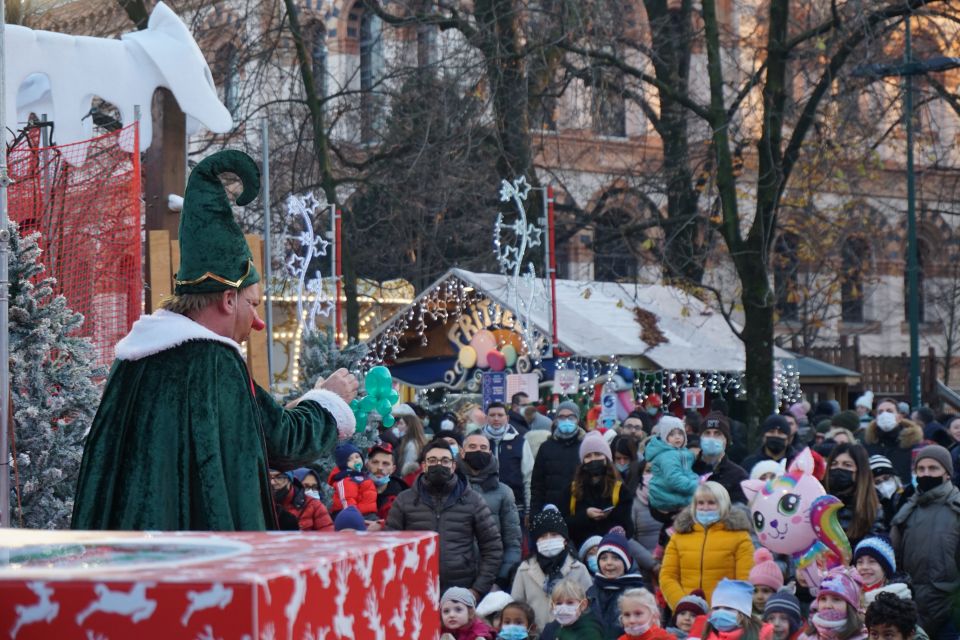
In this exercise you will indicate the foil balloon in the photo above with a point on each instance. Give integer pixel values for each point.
(467, 357)
(483, 343)
(496, 360)
(792, 514)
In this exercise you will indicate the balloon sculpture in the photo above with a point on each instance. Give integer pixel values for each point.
(381, 396)
(792, 514)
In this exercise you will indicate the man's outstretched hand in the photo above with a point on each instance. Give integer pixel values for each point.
(341, 382)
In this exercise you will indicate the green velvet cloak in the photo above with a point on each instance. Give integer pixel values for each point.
(181, 443)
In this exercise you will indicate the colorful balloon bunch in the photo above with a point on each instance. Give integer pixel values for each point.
(482, 351)
(381, 396)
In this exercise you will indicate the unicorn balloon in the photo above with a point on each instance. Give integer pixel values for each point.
(792, 514)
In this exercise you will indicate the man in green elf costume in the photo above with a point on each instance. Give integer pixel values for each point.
(183, 436)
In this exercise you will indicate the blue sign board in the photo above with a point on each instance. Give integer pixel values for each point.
(494, 387)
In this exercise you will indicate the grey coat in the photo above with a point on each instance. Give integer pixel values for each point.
(503, 505)
(470, 547)
(926, 538)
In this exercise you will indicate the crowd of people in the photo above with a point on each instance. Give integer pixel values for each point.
(557, 528)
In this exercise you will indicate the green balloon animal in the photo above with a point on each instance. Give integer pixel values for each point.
(381, 396)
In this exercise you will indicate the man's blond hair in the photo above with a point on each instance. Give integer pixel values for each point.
(188, 304)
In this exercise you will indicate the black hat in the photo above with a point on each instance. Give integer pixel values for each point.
(548, 521)
(778, 422)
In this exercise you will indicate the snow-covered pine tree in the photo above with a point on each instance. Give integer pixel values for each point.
(54, 392)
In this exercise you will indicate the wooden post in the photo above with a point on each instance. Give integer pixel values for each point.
(165, 170)
(257, 343)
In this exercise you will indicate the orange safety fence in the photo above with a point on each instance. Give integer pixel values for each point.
(84, 200)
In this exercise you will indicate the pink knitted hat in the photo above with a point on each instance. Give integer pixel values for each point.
(594, 442)
(842, 583)
(765, 571)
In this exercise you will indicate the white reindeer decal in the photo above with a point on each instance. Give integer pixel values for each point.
(399, 617)
(411, 559)
(389, 572)
(134, 604)
(292, 610)
(45, 610)
(372, 613)
(342, 623)
(216, 596)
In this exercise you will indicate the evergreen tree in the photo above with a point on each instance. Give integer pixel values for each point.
(53, 391)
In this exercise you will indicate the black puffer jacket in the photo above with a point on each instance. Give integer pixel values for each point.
(553, 469)
(470, 546)
(582, 526)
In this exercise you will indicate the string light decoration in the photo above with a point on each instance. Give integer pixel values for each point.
(510, 245)
(306, 245)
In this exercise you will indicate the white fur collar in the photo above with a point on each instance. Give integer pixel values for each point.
(161, 331)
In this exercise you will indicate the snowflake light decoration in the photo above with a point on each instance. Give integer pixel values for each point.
(305, 246)
(524, 289)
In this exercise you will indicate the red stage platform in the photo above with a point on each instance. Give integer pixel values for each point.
(223, 586)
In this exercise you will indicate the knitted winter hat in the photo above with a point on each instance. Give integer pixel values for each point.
(880, 549)
(653, 400)
(776, 422)
(342, 453)
(865, 401)
(843, 583)
(847, 419)
(736, 594)
(571, 406)
(768, 466)
(786, 603)
(716, 420)
(765, 571)
(694, 602)
(932, 451)
(667, 425)
(459, 594)
(798, 411)
(616, 544)
(214, 255)
(594, 442)
(589, 543)
(349, 518)
(493, 602)
(548, 521)
(881, 465)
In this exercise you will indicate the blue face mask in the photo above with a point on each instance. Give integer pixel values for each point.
(455, 450)
(707, 518)
(653, 410)
(622, 468)
(711, 446)
(566, 426)
(377, 480)
(592, 564)
(513, 632)
(723, 620)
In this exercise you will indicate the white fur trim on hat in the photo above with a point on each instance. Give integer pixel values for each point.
(340, 410)
(768, 466)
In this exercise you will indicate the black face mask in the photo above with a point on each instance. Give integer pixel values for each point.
(280, 494)
(841, 480)
(595, 467)
(775, 446)
(438, 476)
(928, 483)
(477, 460)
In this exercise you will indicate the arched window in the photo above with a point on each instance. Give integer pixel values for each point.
(613, 256)
(923, 249)
(786, 283)
(855, 260)
(371, 72)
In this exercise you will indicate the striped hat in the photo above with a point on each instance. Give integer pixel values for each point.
(786, 603)
(880, 549)
(881, 465)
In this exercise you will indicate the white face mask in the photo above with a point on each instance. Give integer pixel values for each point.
(566, 614)
(887, 488)
(887, 421)
(551, 547)
(312, 493)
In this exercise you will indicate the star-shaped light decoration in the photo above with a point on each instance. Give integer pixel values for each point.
(304, 246)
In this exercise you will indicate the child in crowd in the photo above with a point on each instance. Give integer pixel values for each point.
(640, 616)
(349, 519)
(352, 485)
(782, 611)
(573, 619)
(458, 617)
(875, 561)
(491, 607)
(551, 563)
(517, 622)
(768, 470)
(588, 553)
(673, 482)
(688, 609)
(766, 579)
(730, 615)
(838, 601)
(891, 618)
(617, 574)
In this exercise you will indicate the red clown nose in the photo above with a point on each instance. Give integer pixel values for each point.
(258, 324)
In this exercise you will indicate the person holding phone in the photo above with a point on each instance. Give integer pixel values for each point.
(597, 500)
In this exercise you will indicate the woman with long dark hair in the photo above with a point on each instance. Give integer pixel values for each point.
(849, 478)
(597, 499)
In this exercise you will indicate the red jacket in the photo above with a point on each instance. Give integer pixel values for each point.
(653, 633)
(347, 492)
(310, 512)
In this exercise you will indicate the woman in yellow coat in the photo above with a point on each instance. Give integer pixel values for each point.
(711, 541)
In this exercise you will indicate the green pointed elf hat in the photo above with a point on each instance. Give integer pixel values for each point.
(214, 255)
